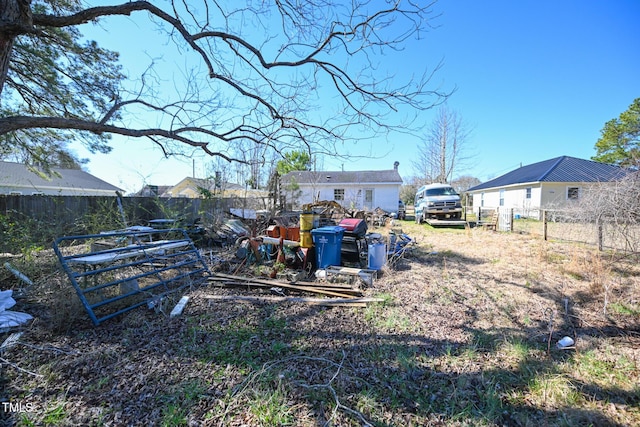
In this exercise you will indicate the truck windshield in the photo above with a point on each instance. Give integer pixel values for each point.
(445, 191)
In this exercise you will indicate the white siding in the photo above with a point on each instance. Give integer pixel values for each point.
(554, 196)
(543, 196)
(385, 196)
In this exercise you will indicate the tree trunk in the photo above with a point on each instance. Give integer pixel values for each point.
(15, 16)
(444, 141)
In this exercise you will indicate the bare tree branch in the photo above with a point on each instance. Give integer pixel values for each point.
(308, 83)
(9, 124)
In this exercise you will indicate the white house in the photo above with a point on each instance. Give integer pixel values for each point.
(354, 190)
(550, 184)
(18, 179)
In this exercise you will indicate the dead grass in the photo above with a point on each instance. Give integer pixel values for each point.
(466, 336)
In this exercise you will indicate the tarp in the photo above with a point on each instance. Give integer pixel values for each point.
(10, 319)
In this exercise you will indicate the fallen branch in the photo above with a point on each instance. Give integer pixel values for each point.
(11, 341)
(5, 361)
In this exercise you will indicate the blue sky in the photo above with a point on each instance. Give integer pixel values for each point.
(534, 80)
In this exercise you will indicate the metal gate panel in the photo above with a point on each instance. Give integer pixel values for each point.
(116, 272)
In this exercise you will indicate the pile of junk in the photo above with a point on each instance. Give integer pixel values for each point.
(320, 239)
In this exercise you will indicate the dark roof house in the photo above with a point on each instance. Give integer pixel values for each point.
(550, 184)
(18, 179)
(559, 169)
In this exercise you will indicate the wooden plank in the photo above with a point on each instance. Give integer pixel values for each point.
(333, 302)
(177, 310)
(318, 289)
(343, 287)
(247, 281)
(297, 288)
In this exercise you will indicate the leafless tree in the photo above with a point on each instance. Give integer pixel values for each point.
(615, 208)
(263, 73)
(463, 183)
(444, 149)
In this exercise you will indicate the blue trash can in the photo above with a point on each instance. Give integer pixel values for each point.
(328, 242)
(377, 256)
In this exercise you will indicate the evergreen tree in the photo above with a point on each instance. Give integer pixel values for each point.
(619, 142)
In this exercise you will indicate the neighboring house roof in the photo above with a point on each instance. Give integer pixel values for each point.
(344, 177)
(189, 187)
(17, 177)
(559, 169)
(151, 190)
(210, 184)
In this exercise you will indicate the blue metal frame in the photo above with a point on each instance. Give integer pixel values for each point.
(156, 262)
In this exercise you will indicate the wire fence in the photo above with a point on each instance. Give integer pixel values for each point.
(566, 225)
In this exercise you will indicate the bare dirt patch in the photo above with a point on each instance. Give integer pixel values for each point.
(466, 335)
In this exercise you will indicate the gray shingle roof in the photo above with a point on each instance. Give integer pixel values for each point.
(19, 176)
(559, 169)
(344, 177)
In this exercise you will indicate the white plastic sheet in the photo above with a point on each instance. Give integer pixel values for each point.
(10, 319)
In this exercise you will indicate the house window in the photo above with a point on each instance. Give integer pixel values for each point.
(338, 194)
(573, 193)
(368, 196)
(528, 193)
(481, 200)
(502, 197)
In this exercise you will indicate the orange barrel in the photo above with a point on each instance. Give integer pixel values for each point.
(273, 231)
(293, 233)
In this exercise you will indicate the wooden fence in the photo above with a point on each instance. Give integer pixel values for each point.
(35, 221)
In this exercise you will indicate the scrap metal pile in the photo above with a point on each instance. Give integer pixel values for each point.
(325, 250)
(322, 243)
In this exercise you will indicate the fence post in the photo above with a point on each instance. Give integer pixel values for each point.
(544, 224)
(600, 234)
(511, 220)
